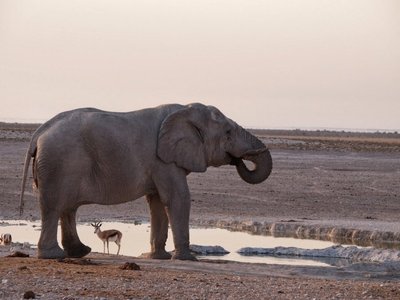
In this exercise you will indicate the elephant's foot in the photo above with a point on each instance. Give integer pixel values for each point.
(51, 253)
(184, 255)
(77, 251)
(157, 255)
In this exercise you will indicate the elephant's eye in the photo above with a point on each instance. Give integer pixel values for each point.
(229, 135)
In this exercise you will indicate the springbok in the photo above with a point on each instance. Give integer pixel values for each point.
(111, 235)
(5, 238)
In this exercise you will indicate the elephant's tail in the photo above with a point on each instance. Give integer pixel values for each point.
(28, 156)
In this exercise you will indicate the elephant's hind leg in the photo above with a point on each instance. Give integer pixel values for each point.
(69, 236)
(159, 228)
(48, 246)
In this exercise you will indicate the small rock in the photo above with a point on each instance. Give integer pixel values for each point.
(18, 254)
(21, 268)
(130, 266)
(208, 250)
(29, 295)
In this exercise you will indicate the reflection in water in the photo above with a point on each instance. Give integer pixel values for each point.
(135, 241)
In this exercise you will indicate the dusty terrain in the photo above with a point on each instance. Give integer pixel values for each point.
(340, 186)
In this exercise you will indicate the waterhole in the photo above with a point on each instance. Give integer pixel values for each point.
(135, 241)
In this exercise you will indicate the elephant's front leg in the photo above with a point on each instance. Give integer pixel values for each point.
(159, 228)
(175, 195)
(178, 215)
(69, 236)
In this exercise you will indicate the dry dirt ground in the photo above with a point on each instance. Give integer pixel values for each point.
(325, 185)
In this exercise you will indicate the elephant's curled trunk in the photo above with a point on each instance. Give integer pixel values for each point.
(263, 166)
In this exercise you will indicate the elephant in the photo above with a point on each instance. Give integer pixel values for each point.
(91, 156)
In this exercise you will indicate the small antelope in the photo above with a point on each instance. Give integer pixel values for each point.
(111, 235)
(5, 238)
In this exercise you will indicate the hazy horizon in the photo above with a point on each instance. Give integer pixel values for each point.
(266, 64)
(337, 129)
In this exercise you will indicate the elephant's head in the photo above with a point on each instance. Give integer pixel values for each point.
(198, 136)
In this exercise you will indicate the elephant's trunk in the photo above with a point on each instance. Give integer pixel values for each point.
(254, 151)
(263, 167)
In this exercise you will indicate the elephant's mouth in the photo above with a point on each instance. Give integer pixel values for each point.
(253, 152)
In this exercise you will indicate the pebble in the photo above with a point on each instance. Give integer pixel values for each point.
(130, 266)
(29, 295)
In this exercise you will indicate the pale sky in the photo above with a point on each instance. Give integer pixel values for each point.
(265, 64)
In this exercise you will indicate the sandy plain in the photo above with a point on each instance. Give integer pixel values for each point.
(325, 185)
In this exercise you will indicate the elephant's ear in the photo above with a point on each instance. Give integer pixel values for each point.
(181, 140)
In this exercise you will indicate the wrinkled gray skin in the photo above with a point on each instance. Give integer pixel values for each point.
(89, 156)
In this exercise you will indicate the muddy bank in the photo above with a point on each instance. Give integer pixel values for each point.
(291, 228)
(102, 277)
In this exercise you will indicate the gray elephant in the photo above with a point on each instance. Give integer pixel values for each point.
(87, 156)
